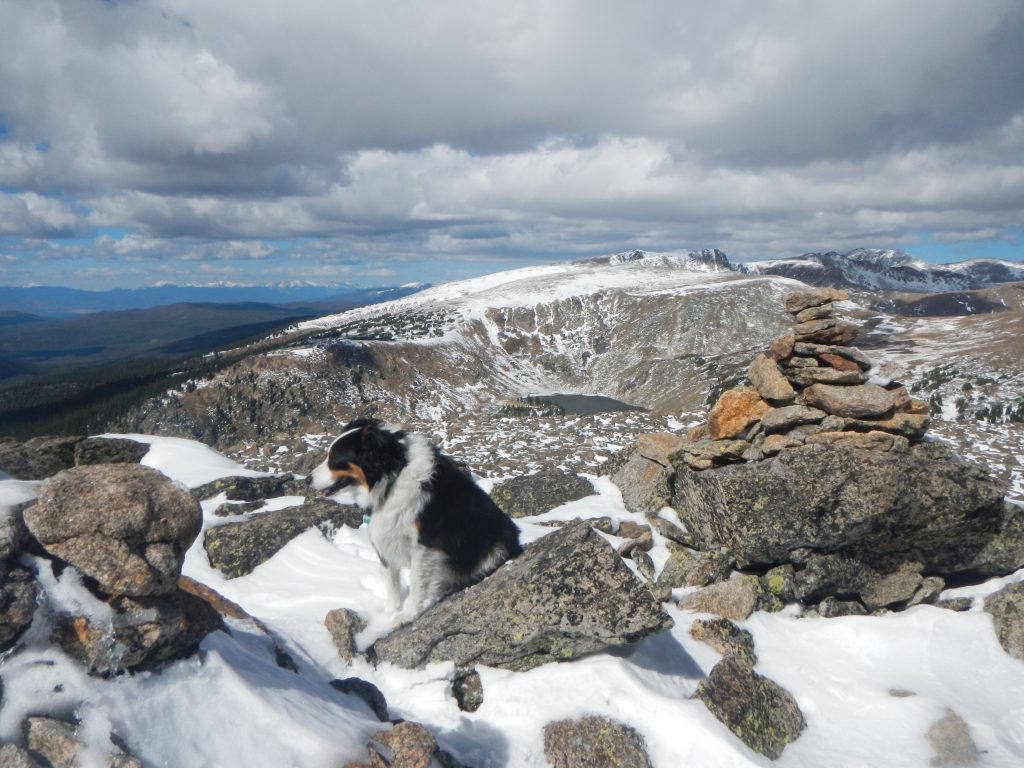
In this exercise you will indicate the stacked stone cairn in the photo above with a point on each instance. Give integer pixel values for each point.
(809, 387)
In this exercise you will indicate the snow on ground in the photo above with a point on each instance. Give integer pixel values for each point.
(232, 706)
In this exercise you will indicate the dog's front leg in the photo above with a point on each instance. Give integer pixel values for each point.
(427, 580)
(393, 586)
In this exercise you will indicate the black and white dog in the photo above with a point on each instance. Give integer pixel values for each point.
(425, 513)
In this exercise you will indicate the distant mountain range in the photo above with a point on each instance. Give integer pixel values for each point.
(887, 270)
(57, 301)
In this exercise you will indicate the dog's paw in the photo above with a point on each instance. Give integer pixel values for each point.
(406, 615)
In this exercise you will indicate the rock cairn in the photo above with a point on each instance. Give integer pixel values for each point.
(809, 387)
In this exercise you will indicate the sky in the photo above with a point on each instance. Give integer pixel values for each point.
(380, 142)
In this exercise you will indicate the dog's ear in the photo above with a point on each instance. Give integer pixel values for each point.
(382, 446)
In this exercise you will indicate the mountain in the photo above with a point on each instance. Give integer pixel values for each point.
(57, 301)
(887, 270)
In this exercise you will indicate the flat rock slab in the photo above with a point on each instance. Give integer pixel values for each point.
(242, 488)
(763, 714)
(798, 301)
(237, 548)
(567, 595)
(858, 401)
(883, 509)
(594, 742)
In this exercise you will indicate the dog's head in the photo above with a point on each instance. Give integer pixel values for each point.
(365, 453)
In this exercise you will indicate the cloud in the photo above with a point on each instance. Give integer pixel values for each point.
(483, 130)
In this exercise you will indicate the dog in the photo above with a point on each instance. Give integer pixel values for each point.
(425, 512)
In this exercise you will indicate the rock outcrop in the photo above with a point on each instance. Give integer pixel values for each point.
(1007, 609)
(567, 595)
(37, 458)
(538, 493)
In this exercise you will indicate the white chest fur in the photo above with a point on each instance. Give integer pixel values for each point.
(396, 505)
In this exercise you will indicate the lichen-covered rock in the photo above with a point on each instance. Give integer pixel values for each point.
(19, 595)
(126, 526)
(882, 509)
(860, 401)
(242, 488)
(594, 742)
(768, 380)
(733, 599)
(109, 450)
(763, 714)
(140, 632)
(538, 493)
(897, 587)
(725, 637)
(704, 454)
(38, 458)
(1007, 609)
(13, 756)
(874, 440)
(406, 745)
(344, 624)
(787, 417)
(849, 353)
(568, 594)
(831, 608)
(56, 742)
(237, 548)
(735, 410)
(687, 567)
(643, 478)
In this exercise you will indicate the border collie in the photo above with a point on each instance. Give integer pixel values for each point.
(425, 513)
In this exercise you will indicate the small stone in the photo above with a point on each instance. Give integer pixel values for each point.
(468, 690)
(802, 362)
(13, 756)
(929, 591)
(781, 348)
(733, 599)
(958, 604)
(763, 714)
(768, 380)
(815, 313)
(830, 331)
(231, 508)
(779, 582)
(689, 568)
(918, 407)
(243, 488)
(56, 742)
(950, 739)
(714, 451)
(725, 637)
(406, 745)
(344, 624)
(19, 595)
(798, 301)
(805, 377)
(368, 692)
(858, 401)
(735, 410)
(817, 350)
(893, 588)
(594, 742)
(630, 530)
(773, 444)
(910, 425)
(644, 564)
(787, 417)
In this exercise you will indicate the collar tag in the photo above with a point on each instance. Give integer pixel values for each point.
(366, 519)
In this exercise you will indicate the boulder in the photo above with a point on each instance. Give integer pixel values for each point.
(19, 595)
(735, 410)
(242, 488)
(798, 301)
(860, 401)
(38, 458)
(124, 525)
(344, 624)
(1007, 609)
(763, 714)
(784, 419)
(768, 380)
(882, 509)
(725, 637)
(237, 548)
(109, 450)
(733, 599)
(56, 742)
(140, 633)
(406, 745)
(539, 493)
(567, 595)
(594, 742)
(643, 478)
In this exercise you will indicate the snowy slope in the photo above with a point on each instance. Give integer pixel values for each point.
(232, 706)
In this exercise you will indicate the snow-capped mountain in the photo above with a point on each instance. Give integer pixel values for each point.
(887, 270)
(706, 260)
